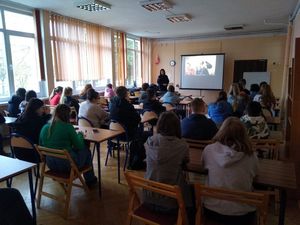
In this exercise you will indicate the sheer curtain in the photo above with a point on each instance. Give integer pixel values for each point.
(80, 50)
(120, 56)
(146, 59)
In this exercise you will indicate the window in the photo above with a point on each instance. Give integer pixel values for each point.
(133, 62)
(19, 65)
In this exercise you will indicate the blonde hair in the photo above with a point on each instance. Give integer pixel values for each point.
(233, 134)
(66, 92)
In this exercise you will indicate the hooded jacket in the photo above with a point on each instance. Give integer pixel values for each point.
(165, 156)
(232, 170)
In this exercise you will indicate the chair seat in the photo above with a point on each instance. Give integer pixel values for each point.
(157, 217)
(64, 175)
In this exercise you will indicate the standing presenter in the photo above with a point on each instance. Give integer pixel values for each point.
(162, 81)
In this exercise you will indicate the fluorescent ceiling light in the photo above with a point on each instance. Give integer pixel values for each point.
(92, 5)
(179, 18)
(155, 5)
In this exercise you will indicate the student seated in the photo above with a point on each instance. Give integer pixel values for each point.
(67, 99)
(254, 89)
(55, 95)
(197, 126)
(31, 121)
(266, 99)
(109, 92)
(60, 134)
(2, 121)
(14, 102)
(143, 93)
(231, 164)
(238, 100)
(170, 97)
(152, 104)
(220, 110)
(83, 93)
(242, 86)
(166, 154)
(29, 95)
(254, 122)
(122, 111)
(91, 110)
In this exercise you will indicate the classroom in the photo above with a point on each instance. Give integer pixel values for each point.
(149, 112)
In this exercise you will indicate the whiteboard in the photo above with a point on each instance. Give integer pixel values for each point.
(256, 78)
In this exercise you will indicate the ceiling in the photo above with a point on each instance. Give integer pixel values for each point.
(208, 16)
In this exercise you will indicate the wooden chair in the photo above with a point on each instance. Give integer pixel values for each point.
(138, 210)
(66, 180)
(271, 146)
(22, 148)
(149, 119)
(196, 148)
(6, 113)
(114, 125)
(259, 200)
(169, 107)
(84, 122)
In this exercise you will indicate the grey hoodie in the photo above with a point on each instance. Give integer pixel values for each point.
(228, 169)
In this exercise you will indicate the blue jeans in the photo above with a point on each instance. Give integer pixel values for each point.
(81, 158)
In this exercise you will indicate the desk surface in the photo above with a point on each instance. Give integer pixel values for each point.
(276, 173)
(9, 120)
(10, 167)
(100, 135)
(273, 120)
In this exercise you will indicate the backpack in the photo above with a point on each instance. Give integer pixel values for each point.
(137, 155)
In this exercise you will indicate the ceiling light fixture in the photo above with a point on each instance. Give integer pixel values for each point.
(92, 5)
(155, 5)
(179, 18)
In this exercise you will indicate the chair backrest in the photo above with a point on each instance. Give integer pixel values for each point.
(271, 145)
(168, 106)
(23, 148)
(84, 122)
(148, 115)
(6, 113)
(114, 125)
(196, 148)
(135, 183)
(259, 200)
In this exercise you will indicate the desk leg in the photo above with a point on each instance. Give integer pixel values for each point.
(282, 207)
(118, 141)
(99, 167)
(32, 195)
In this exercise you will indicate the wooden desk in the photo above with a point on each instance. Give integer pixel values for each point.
(273, 121)
(278, 174)
(10, 120)
(10, 168)
(97, 135)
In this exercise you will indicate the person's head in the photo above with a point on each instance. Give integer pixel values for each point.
(85, 89)
(29, 95)
(198, 106)
(34, 108)
(62, 113)
(242, 82)
(57, 90)
(68, 91)
(109, 86)
(234, 89)
(122, 92)
(222, 96)
(254, 88)
(92, 95)
(150, 94)
(233, 134)
(263, 83)
(21, 93)
(145, 86)
(169, 124)
(162, 72)
(253, 109)
(171, 88)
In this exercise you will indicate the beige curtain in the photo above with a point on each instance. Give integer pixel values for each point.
(120, 56)
(80, 50)
(146, 59)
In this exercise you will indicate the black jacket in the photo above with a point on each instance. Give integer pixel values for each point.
(153, 105)
(123, 112)
(13, 105)
(162, 79)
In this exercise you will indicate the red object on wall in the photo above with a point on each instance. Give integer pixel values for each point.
(157, 60)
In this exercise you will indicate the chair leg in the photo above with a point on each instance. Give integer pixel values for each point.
(126, 155)
(109, 147)
(38, 204)
(67, 203)
(94, 149)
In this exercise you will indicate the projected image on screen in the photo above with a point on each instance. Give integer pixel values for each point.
(202, 71)
(196, 66)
